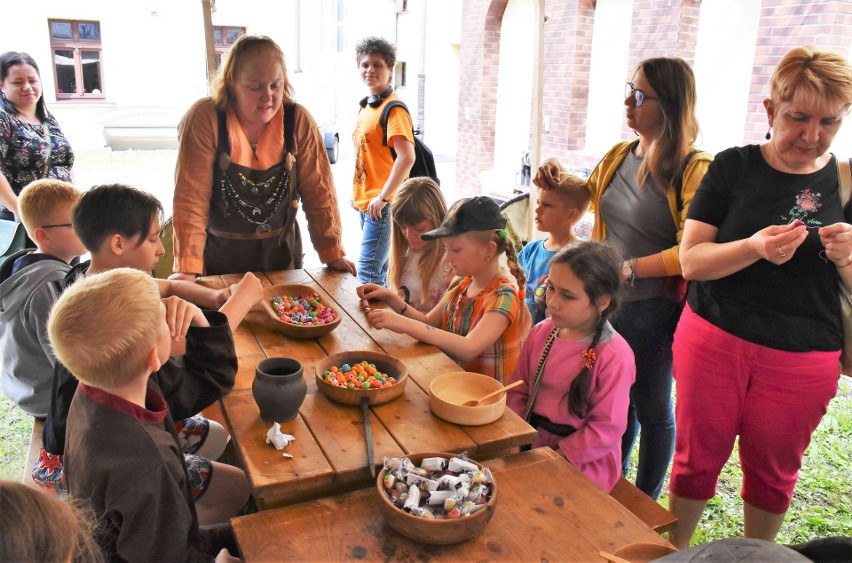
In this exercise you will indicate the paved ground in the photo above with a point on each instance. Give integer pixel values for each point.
(153, 171)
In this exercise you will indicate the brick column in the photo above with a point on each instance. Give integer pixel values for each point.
(567, 66)
(785, 24)
(479, 61)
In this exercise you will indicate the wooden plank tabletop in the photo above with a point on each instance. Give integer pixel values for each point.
(329, 454)
(546, 510)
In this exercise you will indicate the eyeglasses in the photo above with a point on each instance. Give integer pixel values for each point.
(53, 226)
(638, 95)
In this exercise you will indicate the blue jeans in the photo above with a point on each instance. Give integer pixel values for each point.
(375, 248)
(648, 326)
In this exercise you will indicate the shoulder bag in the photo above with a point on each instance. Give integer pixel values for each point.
(844, 174)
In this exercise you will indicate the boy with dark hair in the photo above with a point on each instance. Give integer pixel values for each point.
(27, 294)
(111, 216)
(110, 329)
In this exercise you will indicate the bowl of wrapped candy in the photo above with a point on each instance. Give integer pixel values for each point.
(298, 311)
(436, 498)
(347, 377)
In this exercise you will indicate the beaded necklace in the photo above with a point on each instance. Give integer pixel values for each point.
(249, 211)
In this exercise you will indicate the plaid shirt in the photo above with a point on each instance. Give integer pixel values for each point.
(460, 314)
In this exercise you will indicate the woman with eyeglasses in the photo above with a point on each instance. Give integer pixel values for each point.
(641, 193)
(757, 347)
(32, 146)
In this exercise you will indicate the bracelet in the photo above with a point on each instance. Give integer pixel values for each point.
(384, 199)
(404, 309)
(847, 264)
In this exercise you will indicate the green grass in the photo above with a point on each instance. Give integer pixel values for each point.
(820, 504)
(15, 429)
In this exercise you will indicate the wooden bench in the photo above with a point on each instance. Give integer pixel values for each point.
(643, 506)
(32, 453)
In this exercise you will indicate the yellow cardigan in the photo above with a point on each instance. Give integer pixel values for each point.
(605, 170)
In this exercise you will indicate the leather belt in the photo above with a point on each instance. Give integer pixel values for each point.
(245, 236)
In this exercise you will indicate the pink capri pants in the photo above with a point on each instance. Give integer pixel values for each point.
(773, 400)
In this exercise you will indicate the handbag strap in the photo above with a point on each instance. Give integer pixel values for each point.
(49, 142)
(844, 174)
(539, 371)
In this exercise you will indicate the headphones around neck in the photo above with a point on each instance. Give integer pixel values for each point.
(375, 100)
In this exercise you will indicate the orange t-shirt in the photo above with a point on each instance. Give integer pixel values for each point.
(373, 160)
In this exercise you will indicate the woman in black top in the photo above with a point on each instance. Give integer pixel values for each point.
(756, 350)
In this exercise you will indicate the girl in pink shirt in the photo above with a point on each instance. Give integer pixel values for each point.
(579, 402)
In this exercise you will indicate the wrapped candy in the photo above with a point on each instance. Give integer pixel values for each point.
(437, 489)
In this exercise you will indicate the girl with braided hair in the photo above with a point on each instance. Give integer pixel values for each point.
(577, 369)
(482, 317)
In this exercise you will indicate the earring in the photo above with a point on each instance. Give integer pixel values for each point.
(768, 134)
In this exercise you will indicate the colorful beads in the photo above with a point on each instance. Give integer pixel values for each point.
(362, 376)
(304, 310)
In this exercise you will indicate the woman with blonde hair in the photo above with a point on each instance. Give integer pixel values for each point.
(641, 191)
(757, 347)
(247, 156)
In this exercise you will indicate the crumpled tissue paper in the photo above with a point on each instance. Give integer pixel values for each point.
(277, 438)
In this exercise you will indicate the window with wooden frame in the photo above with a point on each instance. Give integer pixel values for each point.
(77, 61)
(224, 37)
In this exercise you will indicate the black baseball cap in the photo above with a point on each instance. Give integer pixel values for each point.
(478, 213)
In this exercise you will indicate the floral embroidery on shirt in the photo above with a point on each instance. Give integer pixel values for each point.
(807, 203)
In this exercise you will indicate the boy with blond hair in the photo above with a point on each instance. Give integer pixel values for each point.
(28, 291)
(120, 226)
(558, 209)
(123, 457)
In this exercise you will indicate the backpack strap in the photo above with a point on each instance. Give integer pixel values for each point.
(679, 181)
(386, 113)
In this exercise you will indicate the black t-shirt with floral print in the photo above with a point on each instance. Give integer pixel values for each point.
(23, 151)
(794, 306)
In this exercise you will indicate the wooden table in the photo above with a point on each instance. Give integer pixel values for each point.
(546, 510)
(329, 454)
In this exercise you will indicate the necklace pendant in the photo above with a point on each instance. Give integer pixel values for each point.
(255, 211)
(255, 190)
(265, 228)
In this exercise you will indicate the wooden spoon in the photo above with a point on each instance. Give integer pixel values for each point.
(476, 402)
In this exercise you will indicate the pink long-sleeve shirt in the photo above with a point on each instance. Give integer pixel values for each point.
(595, 448)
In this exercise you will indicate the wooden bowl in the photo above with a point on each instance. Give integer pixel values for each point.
(448, 391)
(436, 532)
(640, 552)
(384, 363)
(293, 330)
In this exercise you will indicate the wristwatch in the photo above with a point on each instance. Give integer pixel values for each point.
(628, 270)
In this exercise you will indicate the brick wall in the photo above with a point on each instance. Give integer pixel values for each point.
(479, 60)
(660, 28)
(785, 24)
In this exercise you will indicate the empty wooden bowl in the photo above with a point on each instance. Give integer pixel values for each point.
(640, 552)
(290, 329)
(448, 391)
(383, 362)
(436, 532)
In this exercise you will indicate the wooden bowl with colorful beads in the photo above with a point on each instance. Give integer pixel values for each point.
(293, 330)
(384, 363)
